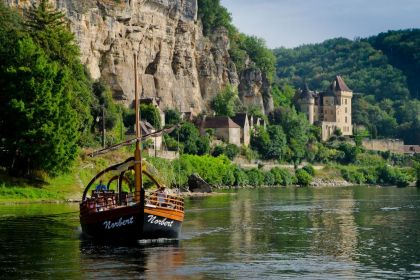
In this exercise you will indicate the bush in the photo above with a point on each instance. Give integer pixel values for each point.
(370, 175)
(401, 179)
(353, 176)
(282, 176)
(231, 151)
(303, 177)
(269, 179)
(217, 151)
(310, 169)
(255, 177)
(172, 144)
(369, 159)
(241, 178)
(172, 117)
(393, 176)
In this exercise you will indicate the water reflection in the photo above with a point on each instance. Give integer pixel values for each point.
(351, 233)
(151, 261)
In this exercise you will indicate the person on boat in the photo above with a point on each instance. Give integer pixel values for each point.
(101, 187)
(161, 196)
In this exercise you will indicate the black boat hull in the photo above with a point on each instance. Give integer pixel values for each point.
(129, 223)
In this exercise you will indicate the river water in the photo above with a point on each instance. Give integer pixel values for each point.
(281, 233)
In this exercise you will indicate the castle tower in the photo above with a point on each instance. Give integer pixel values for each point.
(306, 102)
(343, 111)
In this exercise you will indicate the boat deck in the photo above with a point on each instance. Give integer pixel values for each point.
(106, 200)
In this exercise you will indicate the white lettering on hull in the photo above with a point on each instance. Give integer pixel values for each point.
(152, 219)
(119, 223)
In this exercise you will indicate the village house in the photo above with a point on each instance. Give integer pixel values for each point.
(224, 128)
(242, 120)
(331, 109)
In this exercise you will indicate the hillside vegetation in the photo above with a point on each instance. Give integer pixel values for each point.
(381, 70)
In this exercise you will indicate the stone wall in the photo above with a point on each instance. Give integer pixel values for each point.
(392, 145)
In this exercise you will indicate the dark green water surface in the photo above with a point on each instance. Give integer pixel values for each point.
(326, 233)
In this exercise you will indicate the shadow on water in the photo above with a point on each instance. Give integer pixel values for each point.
(156, 259)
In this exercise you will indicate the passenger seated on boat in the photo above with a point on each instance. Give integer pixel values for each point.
(161, 196)
(101, 187)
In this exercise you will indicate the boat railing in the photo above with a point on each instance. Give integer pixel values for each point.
(165, 200)
(107, 200)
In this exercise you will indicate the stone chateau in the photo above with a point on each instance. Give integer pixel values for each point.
(330, 109)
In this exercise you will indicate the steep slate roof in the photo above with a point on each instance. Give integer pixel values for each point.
(219, 122)
(240, 119)
(339, 85)
(306, 93)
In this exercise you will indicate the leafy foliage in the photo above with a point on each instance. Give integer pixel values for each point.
(303, 177)
(213, 15)
(402, 49)
(172, 117)
(192, 142)
(297, 130)
(48, 29)
(224, 103)
(39, 128)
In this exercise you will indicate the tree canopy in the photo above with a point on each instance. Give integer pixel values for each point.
(46, 95)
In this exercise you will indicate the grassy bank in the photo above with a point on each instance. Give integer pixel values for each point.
(66, 187)
(219, 172)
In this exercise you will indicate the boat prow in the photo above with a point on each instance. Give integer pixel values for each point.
(115, 215)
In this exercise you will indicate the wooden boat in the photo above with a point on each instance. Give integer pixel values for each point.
(126, 213)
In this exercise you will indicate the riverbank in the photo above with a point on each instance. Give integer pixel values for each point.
(219, 172)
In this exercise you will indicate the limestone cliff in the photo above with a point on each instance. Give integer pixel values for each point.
(176, 62)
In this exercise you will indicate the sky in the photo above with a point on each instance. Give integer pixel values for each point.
(290, 23)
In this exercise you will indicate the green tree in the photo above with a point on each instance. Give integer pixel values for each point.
(213, 15)
(39, 128)
(172, 117)
(278, 141)
(224, 103)
(260, 141)
(150, 113)
(49, 30)
(297, 130)
(261, 55)
(193, 143)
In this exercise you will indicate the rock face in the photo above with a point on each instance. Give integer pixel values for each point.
(176, 62)
(197, 184)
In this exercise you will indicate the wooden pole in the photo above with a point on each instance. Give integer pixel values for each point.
(103, 126)
(137, 154)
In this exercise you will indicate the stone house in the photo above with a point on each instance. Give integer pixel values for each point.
(330, 109)
(224, 128)
(242, 120)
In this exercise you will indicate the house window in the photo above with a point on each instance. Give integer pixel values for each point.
(345, 101)
(345, 120)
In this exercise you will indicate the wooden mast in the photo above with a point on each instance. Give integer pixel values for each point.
(137, 154)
